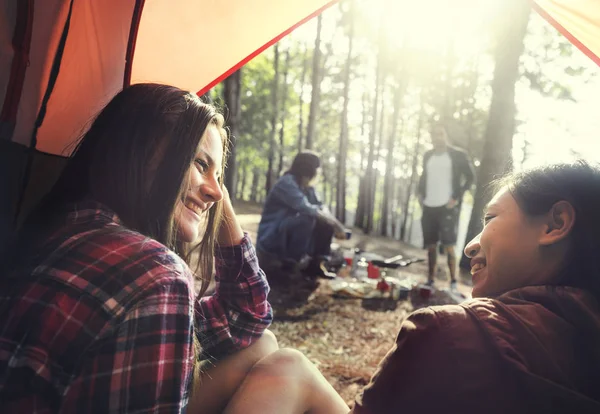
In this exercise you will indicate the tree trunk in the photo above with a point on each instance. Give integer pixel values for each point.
(500, 128)
(283, 112)
(378, 147)
(255, 181)
(244, 181)
(449, 104)
(413, 176)
(360, 204)
(340, 204)
(324, 183)
(388, 181)
(398, 187)
(232, 88)
(301, 96)
(369, 182)
(239, 187)
(316, 87)
(274, 118)
(363, 125)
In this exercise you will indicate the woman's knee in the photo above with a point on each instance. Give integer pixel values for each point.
(267, 343)
(286, 363)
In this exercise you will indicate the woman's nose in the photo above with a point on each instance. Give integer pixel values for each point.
(472, 248)
(211, 190)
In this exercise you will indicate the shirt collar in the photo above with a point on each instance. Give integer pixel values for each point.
(91, 210)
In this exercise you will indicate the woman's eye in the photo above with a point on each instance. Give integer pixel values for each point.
(202, 165)
(487, 219)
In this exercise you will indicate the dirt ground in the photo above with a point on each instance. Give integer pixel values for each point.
(342, 338)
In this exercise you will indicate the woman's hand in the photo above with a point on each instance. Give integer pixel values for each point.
(339, 230)
(230, 232)
(340, 235)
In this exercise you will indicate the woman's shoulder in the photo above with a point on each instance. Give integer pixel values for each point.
(112, 264)
(470, 316)
(449, 320)
(286, 180)
(448, 325)
(136, 254)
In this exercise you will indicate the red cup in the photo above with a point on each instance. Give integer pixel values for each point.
(425, 292)
(348, 261)
(372, 271)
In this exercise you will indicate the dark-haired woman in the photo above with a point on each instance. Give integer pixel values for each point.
(530, 340)
(295, 226)
(98, 308)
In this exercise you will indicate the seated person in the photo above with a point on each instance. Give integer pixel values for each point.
(295, 226)
(98, 309)
(530, 340)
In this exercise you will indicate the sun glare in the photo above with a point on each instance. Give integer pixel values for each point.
(431, 24)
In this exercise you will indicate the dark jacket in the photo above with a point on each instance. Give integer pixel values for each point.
(462, 168)
(531, 350)
(286, 199)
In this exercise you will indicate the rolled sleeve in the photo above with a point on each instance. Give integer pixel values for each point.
(238, 312)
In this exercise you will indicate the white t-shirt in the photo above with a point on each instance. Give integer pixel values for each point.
(438, 187)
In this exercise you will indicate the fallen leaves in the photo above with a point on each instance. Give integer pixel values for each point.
(345, 341)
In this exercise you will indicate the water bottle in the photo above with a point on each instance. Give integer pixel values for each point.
(355, 260)
(362, 269)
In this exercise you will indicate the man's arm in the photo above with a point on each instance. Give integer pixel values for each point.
(423, 179)
(466, 170)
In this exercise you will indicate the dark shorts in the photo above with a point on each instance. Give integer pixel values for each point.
(440, 224)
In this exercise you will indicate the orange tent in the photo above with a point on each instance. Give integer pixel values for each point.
(62, 60)
(577, 20)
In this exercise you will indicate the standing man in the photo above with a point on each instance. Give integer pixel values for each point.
(447, 174)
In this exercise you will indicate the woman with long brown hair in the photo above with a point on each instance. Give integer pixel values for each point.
(98, 306)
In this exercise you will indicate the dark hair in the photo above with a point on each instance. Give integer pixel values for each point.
(537, 190)
(135, 160)
(305, 164)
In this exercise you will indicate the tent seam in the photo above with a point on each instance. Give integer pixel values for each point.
(252, 55)
(133, 31)
(21, 44)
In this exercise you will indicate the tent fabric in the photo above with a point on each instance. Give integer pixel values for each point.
(42, 48)
(91, 71)
(191, 44)
(577, 20)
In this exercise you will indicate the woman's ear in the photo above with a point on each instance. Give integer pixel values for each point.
(559, 222)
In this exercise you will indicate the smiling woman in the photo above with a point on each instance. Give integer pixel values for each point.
(98, 305)
(529, 340)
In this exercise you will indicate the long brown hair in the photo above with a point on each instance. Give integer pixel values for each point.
(135, 159)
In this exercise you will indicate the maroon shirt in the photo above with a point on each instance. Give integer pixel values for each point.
(535, 349)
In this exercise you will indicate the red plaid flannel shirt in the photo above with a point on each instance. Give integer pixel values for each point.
(101, 318)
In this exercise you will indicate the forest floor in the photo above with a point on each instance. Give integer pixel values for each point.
(343, 339)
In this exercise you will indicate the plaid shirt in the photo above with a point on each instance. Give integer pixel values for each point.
(101, 318)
